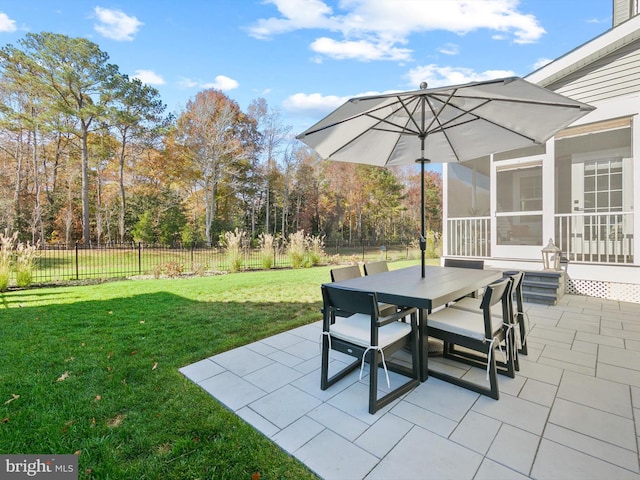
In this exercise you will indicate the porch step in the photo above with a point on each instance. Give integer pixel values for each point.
(543, 287)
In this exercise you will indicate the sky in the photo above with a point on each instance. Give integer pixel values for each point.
(307, 57)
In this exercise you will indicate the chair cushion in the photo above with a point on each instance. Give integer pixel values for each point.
(387, 309)
(356, 329)
(473, 305)
(462, 322)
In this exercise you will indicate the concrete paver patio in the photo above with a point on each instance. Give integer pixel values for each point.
(572, 412)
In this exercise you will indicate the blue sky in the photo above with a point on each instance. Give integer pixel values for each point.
(306, 57)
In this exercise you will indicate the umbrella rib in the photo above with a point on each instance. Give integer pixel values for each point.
(400, 128)
(508, 100)
(436, 118)
(448, 124)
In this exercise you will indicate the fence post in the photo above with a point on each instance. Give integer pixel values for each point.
(139, 258)
(77, 270)
(275, 258)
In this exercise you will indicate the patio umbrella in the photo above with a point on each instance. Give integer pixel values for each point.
(448, 124)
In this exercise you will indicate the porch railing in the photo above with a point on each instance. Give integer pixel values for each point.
(469, 236)
(596, 237)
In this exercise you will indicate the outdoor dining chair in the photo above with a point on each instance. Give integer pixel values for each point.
(479, 332)
(465, 263)
(517, 313)
(375, 267)
(379, 267)
(369, 337)
(353, 271)
(345, 273)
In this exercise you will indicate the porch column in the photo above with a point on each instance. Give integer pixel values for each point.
(635, 153)
(548, 193)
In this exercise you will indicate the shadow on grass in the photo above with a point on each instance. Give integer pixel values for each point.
(101, 378)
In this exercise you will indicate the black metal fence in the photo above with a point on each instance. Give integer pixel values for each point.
(62, 263)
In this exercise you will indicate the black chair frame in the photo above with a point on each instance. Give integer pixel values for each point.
(336, 300)
(494, 293)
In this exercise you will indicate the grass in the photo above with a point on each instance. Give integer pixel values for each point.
(60, 265)
(93, 370)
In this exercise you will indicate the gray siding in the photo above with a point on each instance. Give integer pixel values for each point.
(615, 75)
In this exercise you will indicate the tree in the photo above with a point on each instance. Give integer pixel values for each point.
(217, 138)
(272, 136)
(73, 77)
(135, 112)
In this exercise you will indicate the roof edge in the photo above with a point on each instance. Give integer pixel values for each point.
(600, 46)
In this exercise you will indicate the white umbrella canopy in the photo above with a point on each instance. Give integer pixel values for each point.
(448, 124)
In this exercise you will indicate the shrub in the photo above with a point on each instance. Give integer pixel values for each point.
(413, 251)
(6, 258)
(157, 270)
(25, 263)
(316, 249)
(267, 244)
(173, 269)
(296, 248)
(198, 269)
(433, 245)
(232, 242)
(433, 248)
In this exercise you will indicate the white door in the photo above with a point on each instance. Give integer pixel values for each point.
(600, 196)
(518, 207)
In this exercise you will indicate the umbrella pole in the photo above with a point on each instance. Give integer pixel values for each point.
(423, 240)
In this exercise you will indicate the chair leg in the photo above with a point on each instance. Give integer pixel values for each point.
(325, 380)
(373, 381)
(324, 366)
(523, 334)
(493, 378)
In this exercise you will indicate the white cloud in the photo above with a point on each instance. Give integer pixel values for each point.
(449, 49)
(115, 24)
(437, 76)
(223, 83)
(296, 14)
(149, 77)
(364, 25)
(362, 50)
(541, 62)
(312, 104)
(187, 83)
(7, 24)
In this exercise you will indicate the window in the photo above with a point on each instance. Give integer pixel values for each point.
(603, 186)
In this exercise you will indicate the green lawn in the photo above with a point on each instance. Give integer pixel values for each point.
(93, 370)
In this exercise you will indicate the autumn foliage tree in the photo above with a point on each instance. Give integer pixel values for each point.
(88, 154)
(217, 140)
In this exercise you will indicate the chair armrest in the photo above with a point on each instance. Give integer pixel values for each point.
(405, 312)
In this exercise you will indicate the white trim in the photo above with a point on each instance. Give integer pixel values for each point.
(610, 109)
(445, 209)
(589, 52)
(548, 192)
(635, 153)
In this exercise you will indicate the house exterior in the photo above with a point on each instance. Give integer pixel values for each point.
(579, 189)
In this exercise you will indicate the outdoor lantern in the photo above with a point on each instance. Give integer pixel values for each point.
(551, 256)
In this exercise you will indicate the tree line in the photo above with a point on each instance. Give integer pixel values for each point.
(90, 155)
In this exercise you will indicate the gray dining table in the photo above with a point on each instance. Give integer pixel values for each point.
(406, 287)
